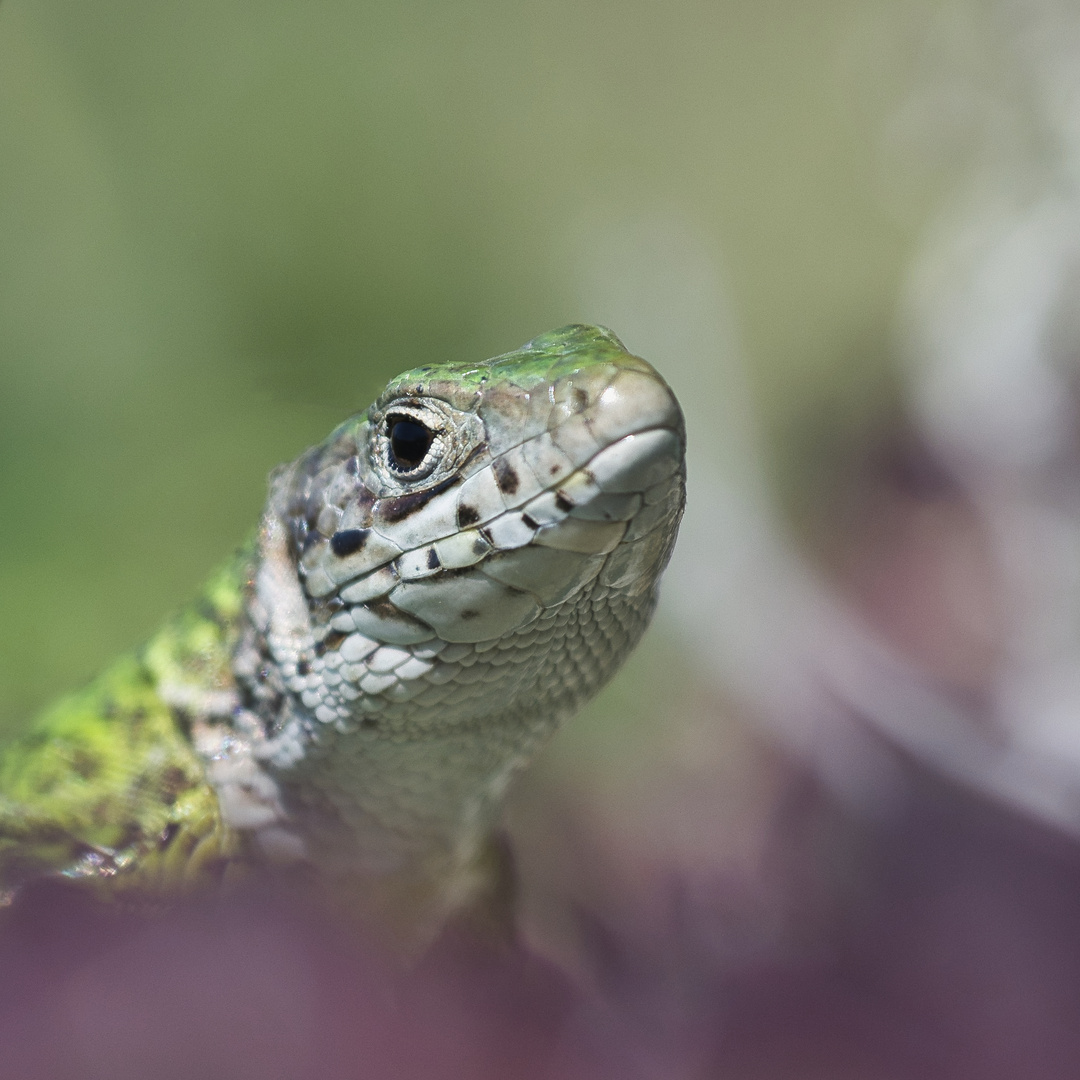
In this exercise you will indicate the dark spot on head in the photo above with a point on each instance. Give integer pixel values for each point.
(433, 559)
(563, 503)
(303, 668)
(348, 541)
(468, 613)
(369, 722)
(554, 470)
(467, 515)
(167, 834)
(363, 501)
(579, 398)
(352, 465)
(383, 606)
(330, 642)
(401, 506)
(506, 477)
(530, 521)
(303, 536)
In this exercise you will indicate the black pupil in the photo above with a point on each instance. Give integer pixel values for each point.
(409, 444)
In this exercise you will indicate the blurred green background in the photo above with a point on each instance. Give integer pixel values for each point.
(223, 225)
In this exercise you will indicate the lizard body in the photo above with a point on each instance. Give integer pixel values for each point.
(432, 591)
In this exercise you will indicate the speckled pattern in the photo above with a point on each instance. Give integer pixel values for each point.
(415, 624)
(107, 790)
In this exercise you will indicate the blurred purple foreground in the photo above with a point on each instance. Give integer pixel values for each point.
(962, 959)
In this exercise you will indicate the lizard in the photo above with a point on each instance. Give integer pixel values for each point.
(431, 592)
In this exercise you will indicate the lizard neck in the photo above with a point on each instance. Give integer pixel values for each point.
(404, 831)
(399, 833)
(396, 811)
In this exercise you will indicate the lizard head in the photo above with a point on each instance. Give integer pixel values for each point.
(472, 508)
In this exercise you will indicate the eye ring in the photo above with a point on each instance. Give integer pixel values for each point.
(407, 444)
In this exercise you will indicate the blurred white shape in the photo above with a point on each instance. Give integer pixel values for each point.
(993, 341)
(750, 611)
(980, 325)
(991, 333)
(759, 619)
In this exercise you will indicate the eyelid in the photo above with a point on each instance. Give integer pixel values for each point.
(394, 417)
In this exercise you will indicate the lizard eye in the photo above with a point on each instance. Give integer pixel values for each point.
(408, 444)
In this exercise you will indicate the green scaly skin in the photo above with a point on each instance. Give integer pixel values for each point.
(106, 787)
(347, 701)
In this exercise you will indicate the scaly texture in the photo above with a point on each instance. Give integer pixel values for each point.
(433, 590)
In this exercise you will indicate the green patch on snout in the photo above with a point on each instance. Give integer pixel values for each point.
(538, 362)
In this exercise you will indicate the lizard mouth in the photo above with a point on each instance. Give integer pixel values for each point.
(608, 519)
